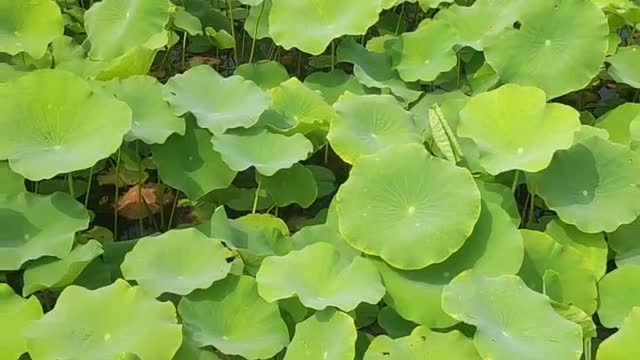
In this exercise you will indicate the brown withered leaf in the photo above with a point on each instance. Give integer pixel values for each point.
(139, 201)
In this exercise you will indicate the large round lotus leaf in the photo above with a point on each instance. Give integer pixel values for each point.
(60, 273)
(512, 321)
(153, 120)
(218, 103)
(618, 122)
(189, 163)
(370, 123)
(413, 220)
(572, 283)
(267, 152)
(624, 241)
(34, 226)
(295, 185)
(178, 262)
(10, 182)
(116, 26)
(108, 323)
(46, 128)
(320, 276)
(623, 345)
(423, 344)
(602, 193)
(624, 66)
(234, 319)
(592, 247)
(619, 292)
(333, 84)
(514, 128)
(329, 334)
(494, 248)
(266, 74)
(15, 315)
(29, 26)
(320, 23)
(559, 46)
(427, 52)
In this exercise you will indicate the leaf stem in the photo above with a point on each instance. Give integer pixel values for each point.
(71, 188)
(86, 196)
(255, 32)
(184, 50)
(516, 181)
(233, 30)
(400, 18)
(117, 194)
(255, 197)
(173, 210)
(333, 55)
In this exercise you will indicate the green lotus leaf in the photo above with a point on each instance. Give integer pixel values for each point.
(544, 53)
(618, 123)
(190, 351)
(11, 182)
(177, 262)
(241, 199)
(623, 66)
(429, 212)
(189, 163)
(153, 120)
(322, 22)
(29, 26)
(60, 273)
(8, 73)
(217, 103)
(449, 102)
(220, 38)
(329, 334)
(592, 247)
(183, 20)
(428, 4)
(423, 344)
(267, 152)
(494, 248)
(45, 131)
(15, 315)
(116, 26)
(619, 293)
(35, 226)
(347, 280)
(427, 52)
(234, 319)
(295, 185)
(602, 194)
(333, 84)
(266, 74)
(624, 241)
(514, 128)
(324, 177)
(574, 283)
(502, 196)
(394, 325)
(505, 330)
(623, 345)
(369, 123)
(327, 232)
(257, 23)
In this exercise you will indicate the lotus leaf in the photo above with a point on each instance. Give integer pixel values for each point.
(29, 26)
(623, 66)
(327, 232)
(34, 226)
(503, 124)
(619, 293)
(394, 325)
(324, 177)
(333, 84)
(182, 19)
(218, 103)
(11, 182)
(45, 125)
(190, 164)
(329, 334)
(322, 22)
(234, 319)
(502, 196)
(257, 23)
(153, 120)
(266, 74)
(623, 345)
(295, 185)
(428, 212)
(99, 323)
(601, 194)
(494, 305)
(320, 276)
(267, 152)
(618, 123)
(15, 315)
(178, 262)
(559, 46)
(624, 241)
(368, 124)
(189, 351)
(117, 26)
(60, 273)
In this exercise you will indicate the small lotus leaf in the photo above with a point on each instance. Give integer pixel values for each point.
(34, 226)
(327, 232)
(45, 128)
(502, 196)
(178, 262)
(257, 23)
(623, 345)
(108, 323)
(29, 26)
(624, 66)
(117, 26)
(320, 276)
(182, 19)
(370, 123)
(324, 177)
(218, 103)
(10, 182)
(234, 319)
(619, 293)
(329, 334)
(503, 123)
(266, 74)
(267, 152)
(624, 241)
(394, 325)
(15, 315)
(429, 212)
(618, 122)
(512, 321)
(295, 185)
(333, 84)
